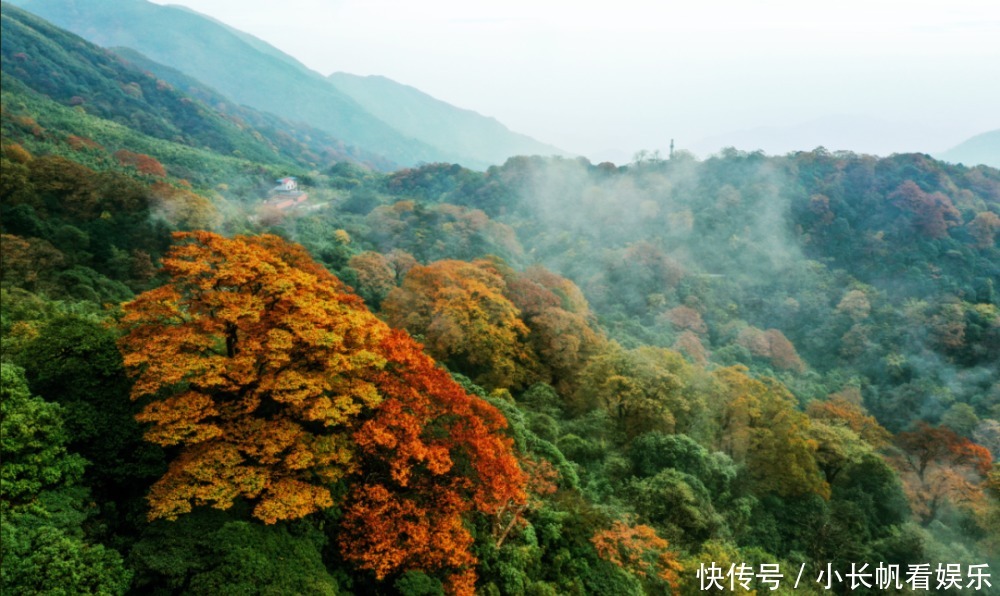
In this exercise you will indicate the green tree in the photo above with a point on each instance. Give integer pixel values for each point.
(677, 502)
(212, 552)
(39, 558)
(33, 442)
(75, 362)
(43, 547)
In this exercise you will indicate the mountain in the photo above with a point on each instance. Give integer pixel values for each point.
(72, 87)
(249, 71)
(421, 116)
(858, 288)
(213, 54)
(981, 149)
(254, 42)
(321, 147)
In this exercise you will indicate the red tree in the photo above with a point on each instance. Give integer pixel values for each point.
(144, 163)
(932, 213)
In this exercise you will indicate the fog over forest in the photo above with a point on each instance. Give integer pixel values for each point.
(259, 337)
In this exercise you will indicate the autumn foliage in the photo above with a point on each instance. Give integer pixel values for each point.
(939, 467)
(761, 427)
(506, 329)
(235, 356)
(685, 318)
(639, 549)
(771, 345)
(376, 277)
(182, 208)
(15, 152)
(274, 383)
(932, 213)
(144, 163)
(560, 324)
(78, 143)
(431, 454)
(841, 410)
(984, 228)
(460, 311)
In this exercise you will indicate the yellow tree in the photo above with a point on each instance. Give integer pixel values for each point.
(255, 361)
(759, 426)
(644, 389)
(461, 313)
(273, 383)
(183, 208)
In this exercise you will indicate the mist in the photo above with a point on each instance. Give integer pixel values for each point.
(430, 368)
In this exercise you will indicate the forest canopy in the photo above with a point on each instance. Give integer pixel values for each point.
(547, 377)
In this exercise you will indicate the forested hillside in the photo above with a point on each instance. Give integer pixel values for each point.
(381, 117)
(549, 377)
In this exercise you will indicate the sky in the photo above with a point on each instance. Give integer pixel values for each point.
(606, 79)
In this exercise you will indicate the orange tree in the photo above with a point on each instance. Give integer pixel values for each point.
(272, 383)
(639, 549)
(939, 468)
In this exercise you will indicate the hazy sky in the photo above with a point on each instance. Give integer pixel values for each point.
(608, 78)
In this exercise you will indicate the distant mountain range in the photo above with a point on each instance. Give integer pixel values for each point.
(374, 114)
(980, 149)
(421, 116)
(88, 96)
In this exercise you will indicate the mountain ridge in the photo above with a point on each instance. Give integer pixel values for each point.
(249, 71)
(982, 149)
(210, 53)
(91, 102)
(426, 117)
